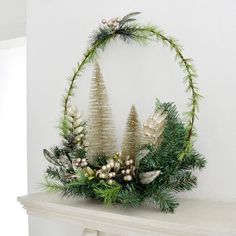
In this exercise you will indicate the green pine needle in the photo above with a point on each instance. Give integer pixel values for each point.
(165, 199)
(108, 193)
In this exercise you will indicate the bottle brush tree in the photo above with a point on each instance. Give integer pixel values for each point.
(133, 136)
(101, 132)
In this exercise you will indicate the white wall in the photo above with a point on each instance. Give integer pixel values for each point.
(13, 174)
(58, 35)
(12, 19)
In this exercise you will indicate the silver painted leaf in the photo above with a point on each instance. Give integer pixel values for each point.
(50, 157)
(141, 154)
(148, 177)
(66, 162)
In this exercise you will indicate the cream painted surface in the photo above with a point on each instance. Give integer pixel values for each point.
(192, 218)
(58, 35)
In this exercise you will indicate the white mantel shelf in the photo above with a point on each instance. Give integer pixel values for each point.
(192, 217)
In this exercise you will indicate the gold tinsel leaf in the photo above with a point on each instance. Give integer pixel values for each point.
(154, 127)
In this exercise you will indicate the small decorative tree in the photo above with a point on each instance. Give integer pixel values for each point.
(133, 136)
(101, 132)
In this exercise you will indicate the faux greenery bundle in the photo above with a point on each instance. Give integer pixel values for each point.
(155, 162)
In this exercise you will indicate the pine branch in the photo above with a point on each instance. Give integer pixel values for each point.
(182, 181)
(108, 193)
(193, 161)
(53, 173)
(189, 79)
(53, 186)
(165, 200)
(165, 156)
(129, 197)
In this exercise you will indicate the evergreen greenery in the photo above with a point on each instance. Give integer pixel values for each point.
(176, 175)
(108, 193)
(103, 178)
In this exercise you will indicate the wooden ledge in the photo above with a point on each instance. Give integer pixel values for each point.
(192, 217)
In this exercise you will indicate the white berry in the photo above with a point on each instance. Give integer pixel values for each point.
(102, 176)
(117, 165)
(128, 177)
(127, 163)
(110, 181)
(104, 167)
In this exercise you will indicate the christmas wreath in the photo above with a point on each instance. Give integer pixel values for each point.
(156, 160)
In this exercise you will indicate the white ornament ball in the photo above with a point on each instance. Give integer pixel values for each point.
(83, 160)
(110, 23)
(110, 181)
(127, 163)
(123, 172)
(78, 159)
(128, 177)
(102, 176)
(108, 166)
(117, 165)
(84, 164)
(104, 167)
(104, 21)
(111, 164)
(110, 175)
(111, 161)
(118, 19)
(131, 161)
(128, 171)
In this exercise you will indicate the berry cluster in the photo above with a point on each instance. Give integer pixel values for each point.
(113, 23)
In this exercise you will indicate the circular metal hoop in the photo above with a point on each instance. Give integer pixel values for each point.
(140, 34)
